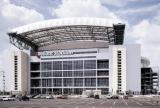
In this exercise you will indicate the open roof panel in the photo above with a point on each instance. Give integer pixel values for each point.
(44, 35)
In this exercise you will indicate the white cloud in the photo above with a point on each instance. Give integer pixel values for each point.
(19, 14)
(139, 30)
(147, 34)
(13, 12)
(84, 8)
(12, 16)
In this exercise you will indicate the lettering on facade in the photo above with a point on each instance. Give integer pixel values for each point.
(54, 53)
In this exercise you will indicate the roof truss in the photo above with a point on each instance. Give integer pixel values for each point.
(48, 36)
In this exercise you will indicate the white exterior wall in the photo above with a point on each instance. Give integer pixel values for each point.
(113, 73)
(22, 72)
(130, 69)
(131, 64)
(133, 67)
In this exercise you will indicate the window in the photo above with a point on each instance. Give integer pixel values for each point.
(104, 91)
(119, 74)
(90, 82)
(78, 73)
(119, 52)
(57, 73)
(78, 82)
(67, 65)
(57, 82)
(35, 82)
(78, 64)
(102, 72)
(46, 74)
(90, 73)
(102, 64)
(15, 57)
(90, 64)
(67, 82)
(103, 82)
(67, 73)
(46, 66)
(57, 65)
(35, 66)
(119, 65)
(35, 74)
(46, 82)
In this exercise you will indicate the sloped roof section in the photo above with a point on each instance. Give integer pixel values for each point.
(49, 32)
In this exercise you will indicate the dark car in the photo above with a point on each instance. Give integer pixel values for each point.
(24, 98)
(63, 97)
(125, 97)
(115, 97)
(96, 96)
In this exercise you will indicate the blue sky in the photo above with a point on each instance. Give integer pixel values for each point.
(142, 19)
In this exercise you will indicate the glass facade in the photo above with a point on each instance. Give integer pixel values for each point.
(69, 77)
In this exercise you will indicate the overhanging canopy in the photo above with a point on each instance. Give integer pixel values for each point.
(48, 35)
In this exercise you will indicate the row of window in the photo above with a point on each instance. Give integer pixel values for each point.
(69, 91)
(15, 73)
(70, 65)
(57, 82)
(119, 70)
(70, 73)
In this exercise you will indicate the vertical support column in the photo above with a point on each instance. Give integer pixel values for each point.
(96, 75)
(83, 77)
(62, 78)
(73, 77)
(52, 78)
(40, 77)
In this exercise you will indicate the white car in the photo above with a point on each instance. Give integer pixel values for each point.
(8, 99)
(49, 97)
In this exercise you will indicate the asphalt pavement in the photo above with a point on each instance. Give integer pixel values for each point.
(83, 103)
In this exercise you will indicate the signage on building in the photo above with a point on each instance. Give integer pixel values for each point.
(54, 53)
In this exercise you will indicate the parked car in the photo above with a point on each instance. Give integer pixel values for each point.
(37, 97)
(1, 99)
(96, 96)
(125, 96)
(63, 97)
(112, 97)
(49, 97)
(109, 96)
(8, 98)
(115, 97)
(24, 98)
(31, 96)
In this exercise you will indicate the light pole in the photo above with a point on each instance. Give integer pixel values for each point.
(3, 81)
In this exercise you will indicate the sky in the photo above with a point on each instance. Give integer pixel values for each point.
(142, 19)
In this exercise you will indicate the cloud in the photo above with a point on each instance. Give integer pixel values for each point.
(147, 34)
(13, 12)
(83, 8)
(139, 10)
(117, 3)
(156, 19)
(12, 16)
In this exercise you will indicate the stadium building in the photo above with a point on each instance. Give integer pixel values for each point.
(69, 56)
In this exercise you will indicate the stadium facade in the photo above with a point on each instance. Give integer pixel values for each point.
(69, 56)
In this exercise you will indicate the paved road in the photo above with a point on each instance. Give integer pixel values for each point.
(81, 103)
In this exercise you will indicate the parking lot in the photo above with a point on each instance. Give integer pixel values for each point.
(83, 103)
